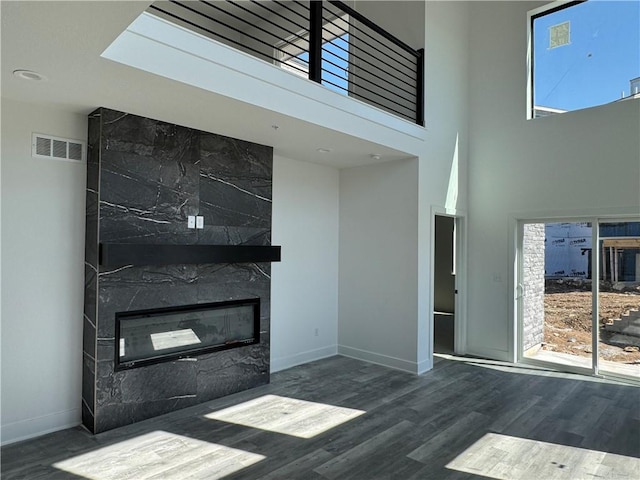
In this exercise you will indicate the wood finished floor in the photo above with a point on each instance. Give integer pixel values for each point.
(340, 418)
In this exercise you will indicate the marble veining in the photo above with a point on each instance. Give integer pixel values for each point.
(224, 182)
(144, 178)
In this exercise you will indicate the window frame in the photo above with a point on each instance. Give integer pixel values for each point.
(532, 15)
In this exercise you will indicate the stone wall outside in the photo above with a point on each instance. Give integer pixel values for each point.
(533, 281)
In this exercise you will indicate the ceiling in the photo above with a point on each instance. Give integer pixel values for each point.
(64, 40)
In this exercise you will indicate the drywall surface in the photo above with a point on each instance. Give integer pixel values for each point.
(402, 19)
(378, 263)
(304, 284)
(385, 74)
(443, 161)
(574, 164)
(198, 61)
(441, 179)
(383, 231)
(42, 275)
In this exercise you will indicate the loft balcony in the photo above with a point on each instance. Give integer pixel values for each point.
(327, 42)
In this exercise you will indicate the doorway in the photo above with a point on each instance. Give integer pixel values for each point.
(444, 284)
(579, 295)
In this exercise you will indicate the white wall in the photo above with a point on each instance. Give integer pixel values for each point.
(378, 294)
(402, 19)
(380, 70)
(43, 270)
(578, 163)
(377, 216)
(446, 104)
(443, 162)
(200, 62)
(304, 285)
(385, 256)
(43, 203)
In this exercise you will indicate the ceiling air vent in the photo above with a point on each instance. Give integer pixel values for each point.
(46, 146)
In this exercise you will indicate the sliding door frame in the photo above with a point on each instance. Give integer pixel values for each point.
(518, 223)
(608, 374)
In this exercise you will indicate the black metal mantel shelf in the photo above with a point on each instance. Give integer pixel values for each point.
(119, 254)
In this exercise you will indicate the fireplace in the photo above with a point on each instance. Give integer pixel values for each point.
(145, 337)
(164, 328)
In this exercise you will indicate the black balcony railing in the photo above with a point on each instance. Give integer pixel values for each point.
(327, 42)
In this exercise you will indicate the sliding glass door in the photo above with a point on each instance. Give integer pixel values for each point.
(619, 298)
(579, 295)
(557, 324)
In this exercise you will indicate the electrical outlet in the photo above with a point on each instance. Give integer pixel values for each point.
(315, 332)
(191, 221)
(199, 222)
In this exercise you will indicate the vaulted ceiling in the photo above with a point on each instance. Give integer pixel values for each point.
(64, 40)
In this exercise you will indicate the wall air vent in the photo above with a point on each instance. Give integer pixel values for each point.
(46, 146)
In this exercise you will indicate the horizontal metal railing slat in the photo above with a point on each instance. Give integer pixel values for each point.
(254, 26)
(264, 7)
(293, 34)
(356, 27)
(368, 62)
(369, 100)
(215, 34)
(351, 55)
(379, 51)
(286, 6)
(351, 73)
(373, 65)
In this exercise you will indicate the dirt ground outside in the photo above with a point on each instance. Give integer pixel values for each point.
(567, 307)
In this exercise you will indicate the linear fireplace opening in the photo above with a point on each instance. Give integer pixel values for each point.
(145, 337)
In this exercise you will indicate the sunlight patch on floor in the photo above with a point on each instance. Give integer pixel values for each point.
(494, 456)
(285, 415)
(521, 368)
(605, 366)
(161, 454)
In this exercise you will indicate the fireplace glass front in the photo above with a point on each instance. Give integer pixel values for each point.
(145, 337)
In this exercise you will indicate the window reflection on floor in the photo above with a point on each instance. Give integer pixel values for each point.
(163, 454)
(285, 415)
(494, 456)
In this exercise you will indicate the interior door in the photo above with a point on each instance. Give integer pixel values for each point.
(444, 285)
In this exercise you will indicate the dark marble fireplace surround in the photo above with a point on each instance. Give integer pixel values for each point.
(144, 177)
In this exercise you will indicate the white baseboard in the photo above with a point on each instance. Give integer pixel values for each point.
(425, 366)
(34, 427)
(384, 360)
(489, 353)
(283, 363)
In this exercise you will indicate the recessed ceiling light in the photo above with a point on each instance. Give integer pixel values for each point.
(275, 127)
(375, 156)
(29, 75)
(323, 150)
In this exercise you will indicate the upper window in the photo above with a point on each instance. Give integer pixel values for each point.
(584, 54)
